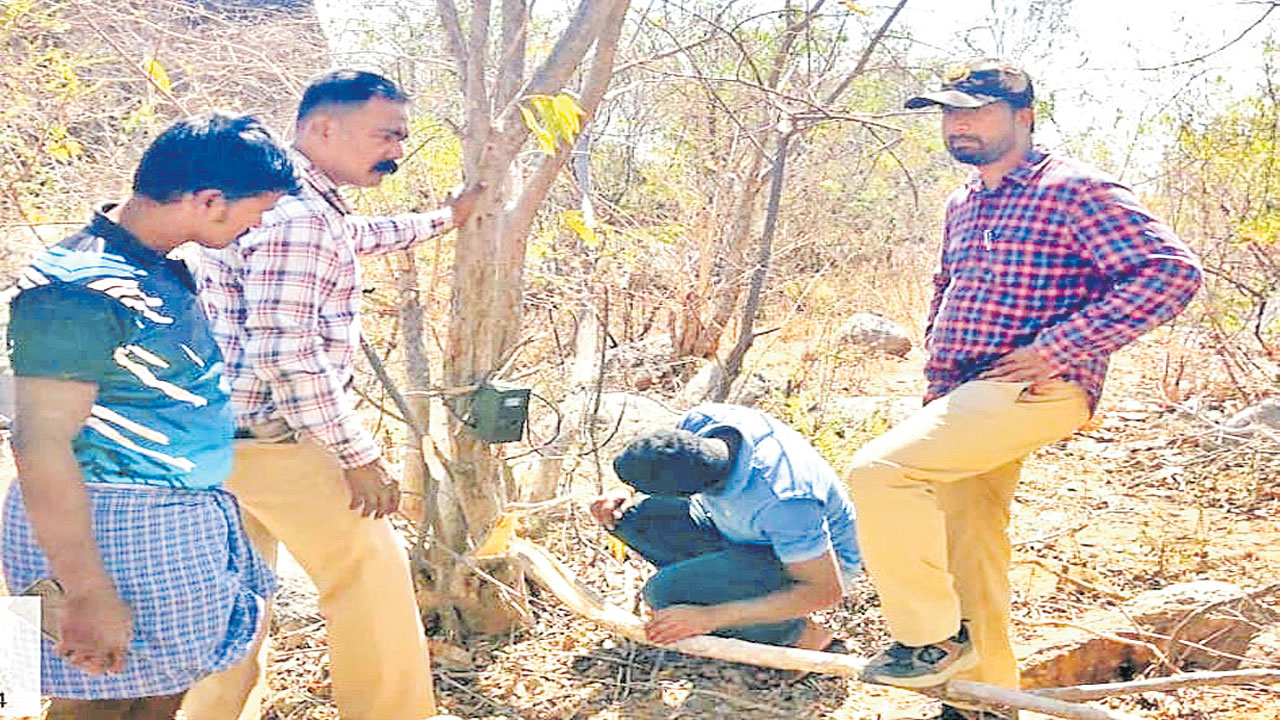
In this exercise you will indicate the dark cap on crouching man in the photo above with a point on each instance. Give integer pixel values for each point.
(749, 527)
(1047, 267)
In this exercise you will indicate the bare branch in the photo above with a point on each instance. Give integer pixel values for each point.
(662, 55)
(479, 112)
(866, 54)
(515, 24)
(1081, 693)
(453, 38)
(580, 598)
(1211, 53)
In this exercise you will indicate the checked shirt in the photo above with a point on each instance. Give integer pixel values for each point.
(1059, 258)
(284, 305)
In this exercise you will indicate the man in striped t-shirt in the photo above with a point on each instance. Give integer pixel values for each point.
(123, 430)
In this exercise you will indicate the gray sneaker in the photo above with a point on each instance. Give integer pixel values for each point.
(923, 666)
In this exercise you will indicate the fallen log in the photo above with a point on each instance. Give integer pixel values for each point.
(1163, 684)
(560, 580)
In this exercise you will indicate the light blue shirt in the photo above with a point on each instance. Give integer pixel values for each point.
(781, 492)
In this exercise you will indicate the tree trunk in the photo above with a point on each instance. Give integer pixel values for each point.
(746, 332)
(486, 303)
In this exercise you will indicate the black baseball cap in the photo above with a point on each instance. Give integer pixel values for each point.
(978, 83)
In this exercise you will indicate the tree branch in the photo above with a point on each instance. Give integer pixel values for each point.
(550, 77)
(1211, 53)
(557, 578)
(866, 54)
(479, 112)
(453, 39)
(521, 217)
(515, 24)
(1081, 693)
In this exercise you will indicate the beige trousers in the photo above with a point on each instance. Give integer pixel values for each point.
(296, 494)
(933, 497)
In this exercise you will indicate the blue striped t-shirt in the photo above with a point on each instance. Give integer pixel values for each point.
(102, 308)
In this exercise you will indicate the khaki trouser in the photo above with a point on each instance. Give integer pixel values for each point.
(933, 497)
(296, 493)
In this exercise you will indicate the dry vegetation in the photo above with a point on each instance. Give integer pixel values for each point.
(1152, 492)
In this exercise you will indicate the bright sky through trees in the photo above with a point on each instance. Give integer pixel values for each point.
(1111, 68)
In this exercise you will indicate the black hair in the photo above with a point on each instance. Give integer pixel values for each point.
(233, 154)
(347, 87)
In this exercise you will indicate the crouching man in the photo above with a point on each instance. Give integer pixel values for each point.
(749, 527)
(123, 435)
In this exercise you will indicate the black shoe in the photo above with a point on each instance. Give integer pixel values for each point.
(922, 666)
(955, 713)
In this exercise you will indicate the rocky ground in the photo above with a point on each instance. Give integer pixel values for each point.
(1152, 493)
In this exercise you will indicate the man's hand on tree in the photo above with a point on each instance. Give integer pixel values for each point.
(373, 490)
(464, 203)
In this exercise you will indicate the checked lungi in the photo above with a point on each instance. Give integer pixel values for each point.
(180, 561)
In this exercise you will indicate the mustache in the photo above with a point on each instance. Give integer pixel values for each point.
(386, 167)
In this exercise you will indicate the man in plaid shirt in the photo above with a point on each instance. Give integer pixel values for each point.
(284, 305)
(1048, 266)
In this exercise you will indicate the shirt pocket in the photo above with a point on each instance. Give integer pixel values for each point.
(1036, 269)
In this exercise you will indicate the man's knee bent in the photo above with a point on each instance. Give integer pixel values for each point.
(869, 477)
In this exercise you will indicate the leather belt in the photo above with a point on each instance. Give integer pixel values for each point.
(272, 431)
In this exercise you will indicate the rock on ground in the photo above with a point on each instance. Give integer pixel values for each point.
(1265, 414)
(876, 334)
(1112, 645)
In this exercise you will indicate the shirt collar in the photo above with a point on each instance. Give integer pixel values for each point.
(323, 185)
(118, 240)
(1020, 175)
(121, 241)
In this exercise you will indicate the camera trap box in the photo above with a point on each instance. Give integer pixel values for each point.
(499, 412)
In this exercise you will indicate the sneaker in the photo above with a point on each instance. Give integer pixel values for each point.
(923, 666)
(954, 713)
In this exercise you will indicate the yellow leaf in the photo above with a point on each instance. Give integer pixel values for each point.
(543, 104)
(544, 138)
(570, 114)
(585, 232)
(617, 548)
(151, 65)
(854, 7)
(553, 120)
(65, 149)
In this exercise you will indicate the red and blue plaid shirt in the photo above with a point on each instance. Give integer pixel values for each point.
(1059, 258)
(284, 306)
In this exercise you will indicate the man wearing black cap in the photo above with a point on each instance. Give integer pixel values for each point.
(1048, 266)
(750, 528)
